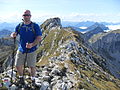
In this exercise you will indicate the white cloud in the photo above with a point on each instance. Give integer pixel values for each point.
(93, 17)
(11, 17)
(40, 17)
(113, 27)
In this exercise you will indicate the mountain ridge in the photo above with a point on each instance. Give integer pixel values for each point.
(65, 63)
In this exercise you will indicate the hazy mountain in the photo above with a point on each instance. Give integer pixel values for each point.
(77, 24)
(68, 23)
(85, 23)
(95, 25)
(92, 32)
(8, 26)
(4, 33)
(94, 29)
(86, 26)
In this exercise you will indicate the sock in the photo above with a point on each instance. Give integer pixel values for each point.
(20, 76)
(32, 78)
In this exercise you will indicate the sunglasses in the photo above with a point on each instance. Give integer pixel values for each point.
(26, 15)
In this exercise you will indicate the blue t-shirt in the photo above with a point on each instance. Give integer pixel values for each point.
(27, 35)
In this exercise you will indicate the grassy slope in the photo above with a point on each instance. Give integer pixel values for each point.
(89, 79)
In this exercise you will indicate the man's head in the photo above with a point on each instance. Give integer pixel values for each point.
(27, 15)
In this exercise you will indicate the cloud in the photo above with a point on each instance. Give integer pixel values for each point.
(113, 27)
(40, 17)
(11, 17)
(92, 17)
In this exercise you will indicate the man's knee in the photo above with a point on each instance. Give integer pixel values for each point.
(19, 67)
(32, 68)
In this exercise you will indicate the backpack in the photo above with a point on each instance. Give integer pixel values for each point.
(20, 25)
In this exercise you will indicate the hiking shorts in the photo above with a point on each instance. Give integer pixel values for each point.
(30, 61)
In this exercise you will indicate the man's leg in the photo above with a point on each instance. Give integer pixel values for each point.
(33, 71)
(19, 62)
(20, 70)
(31, 62)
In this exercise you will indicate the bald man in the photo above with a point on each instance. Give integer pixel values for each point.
(29, 39)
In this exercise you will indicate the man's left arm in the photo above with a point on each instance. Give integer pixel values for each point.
(38, 37)
(36, 41)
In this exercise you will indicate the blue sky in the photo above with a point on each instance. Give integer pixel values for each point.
(67, 10)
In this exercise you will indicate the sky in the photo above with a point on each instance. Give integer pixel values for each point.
(66, 10)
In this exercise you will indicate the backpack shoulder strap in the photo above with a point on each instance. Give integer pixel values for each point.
(20, 25)
(32, 25)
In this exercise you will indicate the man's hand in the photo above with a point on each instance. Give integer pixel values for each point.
(29, 45)
(36, 41)
(13, 35)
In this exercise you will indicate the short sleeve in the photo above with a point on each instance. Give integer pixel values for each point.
(38, 30)
(16, 28)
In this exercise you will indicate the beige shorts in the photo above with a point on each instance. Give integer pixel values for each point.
(30, 61)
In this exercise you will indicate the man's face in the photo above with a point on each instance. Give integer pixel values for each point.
(26, 17)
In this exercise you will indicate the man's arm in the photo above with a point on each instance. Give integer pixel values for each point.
(13, 35)
(37, 40)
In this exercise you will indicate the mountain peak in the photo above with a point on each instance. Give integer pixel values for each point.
(51, 23)
(95, 25)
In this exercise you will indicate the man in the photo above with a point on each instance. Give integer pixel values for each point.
(28, 41)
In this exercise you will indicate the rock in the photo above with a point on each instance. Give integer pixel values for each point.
(47, 78)
(81, 50)
(52, 23)
(56, 78)
(9, 72)
(38, 81)
(44, 86)
(13, 87)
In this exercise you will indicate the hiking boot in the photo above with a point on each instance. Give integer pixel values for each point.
(33, 82)
(20, 81)
(35, 85)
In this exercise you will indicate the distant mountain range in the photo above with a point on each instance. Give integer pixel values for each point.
(95, 25)
(5, 33)
(11, 26)
(91, 28)
(85, 23)
(7, 28)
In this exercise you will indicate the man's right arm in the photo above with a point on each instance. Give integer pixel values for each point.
(13, 35)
